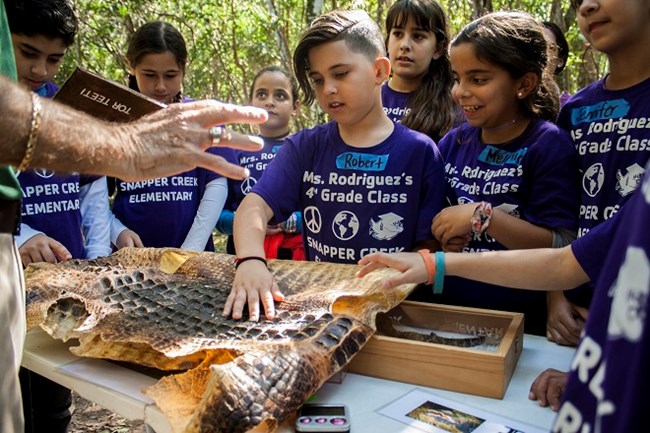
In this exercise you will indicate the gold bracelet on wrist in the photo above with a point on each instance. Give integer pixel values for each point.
(33, 132)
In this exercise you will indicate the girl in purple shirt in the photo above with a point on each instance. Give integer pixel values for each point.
(606, 389)
(509, 169)
(418, 93)
(274, 89)
(177, 211)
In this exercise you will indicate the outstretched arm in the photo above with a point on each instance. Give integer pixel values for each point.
(167, 142)
(537, 269)
(253, 282)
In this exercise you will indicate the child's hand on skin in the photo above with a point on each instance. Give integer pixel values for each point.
(411, 266)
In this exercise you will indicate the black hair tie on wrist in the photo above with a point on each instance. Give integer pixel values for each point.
(240, 260)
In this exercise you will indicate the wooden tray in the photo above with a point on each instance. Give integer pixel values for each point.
(483, 370)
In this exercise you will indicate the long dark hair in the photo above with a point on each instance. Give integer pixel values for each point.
(156, 37)
(515, 41)
(432, 107)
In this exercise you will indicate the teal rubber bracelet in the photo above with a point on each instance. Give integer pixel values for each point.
(439, 280)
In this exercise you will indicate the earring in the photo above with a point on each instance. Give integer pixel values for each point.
(520, 95)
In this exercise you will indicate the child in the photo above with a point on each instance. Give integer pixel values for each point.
(418, 93)
(609, 126)
(560, 49)
(358, 190)
(509, 168)
(177, 211)
(64, 216)
(275, 90)
(607, 387)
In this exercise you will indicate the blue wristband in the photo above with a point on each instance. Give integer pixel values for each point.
(439, 280)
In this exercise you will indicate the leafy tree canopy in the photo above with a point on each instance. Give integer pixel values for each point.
(229, 40)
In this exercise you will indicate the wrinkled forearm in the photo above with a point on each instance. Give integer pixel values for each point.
(61, 144)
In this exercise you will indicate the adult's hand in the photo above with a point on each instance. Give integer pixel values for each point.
(174, 140)
(167, 142)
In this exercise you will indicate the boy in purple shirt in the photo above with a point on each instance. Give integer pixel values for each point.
(357, 187)
(64, 216)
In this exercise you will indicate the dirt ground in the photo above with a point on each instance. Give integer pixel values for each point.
(87, 417)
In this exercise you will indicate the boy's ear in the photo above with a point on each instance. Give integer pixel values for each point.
(527, 84)
(382, 69)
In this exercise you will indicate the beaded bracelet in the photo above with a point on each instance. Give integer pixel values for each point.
(33, 133)
(240, 260)
(481, 218)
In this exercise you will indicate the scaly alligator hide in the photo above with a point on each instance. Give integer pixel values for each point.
(162, 308)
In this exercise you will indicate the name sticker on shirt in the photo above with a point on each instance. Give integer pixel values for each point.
(361, 161)
(613, 109)
(495, 156)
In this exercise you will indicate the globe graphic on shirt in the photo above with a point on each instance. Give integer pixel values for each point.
(593, 179)
(345, 225)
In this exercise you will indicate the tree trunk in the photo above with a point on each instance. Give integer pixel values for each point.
(481, 7)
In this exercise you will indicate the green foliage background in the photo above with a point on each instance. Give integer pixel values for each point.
(229, 40)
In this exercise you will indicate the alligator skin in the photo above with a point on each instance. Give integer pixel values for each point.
(161, 308)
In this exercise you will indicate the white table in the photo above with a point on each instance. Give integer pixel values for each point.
(118, 388)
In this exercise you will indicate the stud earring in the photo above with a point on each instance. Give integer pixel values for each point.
(520, 95)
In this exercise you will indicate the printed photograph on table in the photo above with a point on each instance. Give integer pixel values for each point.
(434, 414)
(445, 418)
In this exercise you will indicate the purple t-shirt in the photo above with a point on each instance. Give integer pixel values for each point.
(51, 201)
(256, 163)
(51, 205)
(608, 384)
(396, 104)
(356, 201)
(534, 177)
(161, 211)
(611, 131)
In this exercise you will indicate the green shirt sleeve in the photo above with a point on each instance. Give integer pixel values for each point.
(9, 186)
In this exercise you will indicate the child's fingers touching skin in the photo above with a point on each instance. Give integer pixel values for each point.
(411, 266)
(41, 248)
(253, 283)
